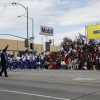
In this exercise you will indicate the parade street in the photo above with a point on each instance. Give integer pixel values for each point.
(51, 85)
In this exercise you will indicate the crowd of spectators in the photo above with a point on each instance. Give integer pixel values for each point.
(80, 55)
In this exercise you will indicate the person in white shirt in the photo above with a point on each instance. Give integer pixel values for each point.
(11, 63)
(27, 62)
(24, 60)
(18, 61)
(63, 64)
(42, 61)
(34, 62)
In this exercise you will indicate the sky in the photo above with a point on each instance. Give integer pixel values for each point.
(66, 17)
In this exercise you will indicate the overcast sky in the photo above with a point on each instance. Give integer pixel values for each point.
(67, 17)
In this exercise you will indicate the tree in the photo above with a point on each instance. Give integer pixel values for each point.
(50, 41)
(66, 40)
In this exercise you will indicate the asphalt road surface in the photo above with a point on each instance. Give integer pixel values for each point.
(50, 85)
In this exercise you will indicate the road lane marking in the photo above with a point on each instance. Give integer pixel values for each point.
(80, 78)
(37, 95)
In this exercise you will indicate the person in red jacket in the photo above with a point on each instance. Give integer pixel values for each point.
(66, 61)
(94, 58)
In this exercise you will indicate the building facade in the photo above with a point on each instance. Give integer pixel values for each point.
(17, 46)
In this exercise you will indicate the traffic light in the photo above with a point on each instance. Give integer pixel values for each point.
(31, 46)
(26, 43)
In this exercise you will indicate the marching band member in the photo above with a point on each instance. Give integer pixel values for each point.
(31, 61)
(11, 63)
(34, 62)
(18, 61)
(21, 63)
(24, 61)
(42, 61)
(28, 59)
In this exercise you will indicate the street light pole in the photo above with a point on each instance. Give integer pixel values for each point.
(27, 22)
(27, 31)
(32, 31)
(32, 26)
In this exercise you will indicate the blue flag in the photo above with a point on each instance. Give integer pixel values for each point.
(82, 37)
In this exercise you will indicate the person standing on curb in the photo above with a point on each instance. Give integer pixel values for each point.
(3, 61)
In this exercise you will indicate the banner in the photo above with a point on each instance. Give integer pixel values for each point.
(93, 32)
